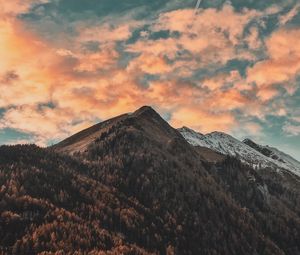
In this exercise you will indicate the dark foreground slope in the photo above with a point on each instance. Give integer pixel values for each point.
(272, 198)
(133, 186)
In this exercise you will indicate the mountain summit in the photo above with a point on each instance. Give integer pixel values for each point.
(145, 117)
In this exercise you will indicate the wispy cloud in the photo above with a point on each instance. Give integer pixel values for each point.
(292, 129)
(284, 19)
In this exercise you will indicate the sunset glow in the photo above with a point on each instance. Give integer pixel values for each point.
(232, 67)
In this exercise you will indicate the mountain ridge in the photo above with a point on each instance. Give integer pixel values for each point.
(247, 151)
(80, 141)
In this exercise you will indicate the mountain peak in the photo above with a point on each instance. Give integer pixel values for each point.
(144, 108)
(262, 149)
(247, 140)
(250, 142)
(188, 131)
(145, 119)
(219, 133)
(146, 111)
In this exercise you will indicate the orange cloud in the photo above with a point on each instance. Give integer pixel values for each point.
(171, 94)
(212, 31)
(222, 79)
(35, 72)
(112, 93)
(267, 93)
(201, 120)
(151, 64)
(229, 100)
(166, 47)
(253, 39)
(27, 56)
(98, 61)
(14, 7)
(42, 123)
(283, 63)
(105, 32)
(226, 19)
(210, 38)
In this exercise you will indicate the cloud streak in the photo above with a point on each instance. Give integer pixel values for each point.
(197, 6)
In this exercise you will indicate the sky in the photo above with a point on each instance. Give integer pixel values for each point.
(232, 66)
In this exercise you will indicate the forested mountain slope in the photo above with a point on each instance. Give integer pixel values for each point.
(133, 185)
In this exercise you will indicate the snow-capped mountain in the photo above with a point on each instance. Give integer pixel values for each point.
(282, 158)
(247, 151)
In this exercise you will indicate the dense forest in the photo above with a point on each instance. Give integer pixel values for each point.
(133, 185)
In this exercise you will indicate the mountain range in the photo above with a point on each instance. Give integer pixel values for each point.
(135, 185)
(247, 151)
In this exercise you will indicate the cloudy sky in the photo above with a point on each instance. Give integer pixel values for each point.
(233, 66)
